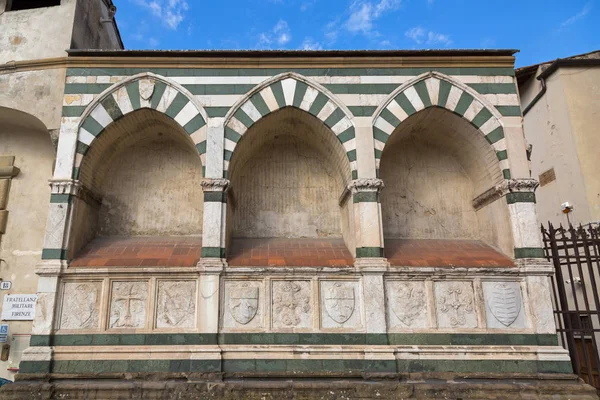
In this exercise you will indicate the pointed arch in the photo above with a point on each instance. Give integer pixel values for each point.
(290, 89)
(434, 89)
(145, 90)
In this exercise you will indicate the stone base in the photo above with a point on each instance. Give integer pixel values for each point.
(232, 387)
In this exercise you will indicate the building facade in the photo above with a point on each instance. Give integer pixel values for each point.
(559, 100)
(30, 119)
(234, 224)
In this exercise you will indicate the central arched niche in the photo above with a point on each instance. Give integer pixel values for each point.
(287, 174)
(145, 175)
(434, 164)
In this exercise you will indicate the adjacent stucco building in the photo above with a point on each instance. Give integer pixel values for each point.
(34, 39)
(561, 118)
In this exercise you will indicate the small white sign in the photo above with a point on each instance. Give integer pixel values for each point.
(19, 307)
(5, 285)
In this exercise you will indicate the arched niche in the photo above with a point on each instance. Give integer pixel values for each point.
(142, 178)
(434, 165)
(287, 173)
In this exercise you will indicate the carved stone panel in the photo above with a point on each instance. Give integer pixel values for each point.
(503, 305)
(340, 304)
(407, 304)
(291, 306)
(455, 305)
(243, 304)
(128, 304)
(176, 304)
(81, 305)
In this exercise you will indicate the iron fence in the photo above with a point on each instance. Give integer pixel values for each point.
(575, 253)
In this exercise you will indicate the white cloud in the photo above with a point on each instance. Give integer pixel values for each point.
(310, 44)
(584, 11)
(364, 13)
(419, 35)
(170, 12)
(438, 38)
(279, 35)
(332, 31)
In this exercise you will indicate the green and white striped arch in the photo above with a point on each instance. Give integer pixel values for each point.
(433, 89)
(289, 90)
(145, 90)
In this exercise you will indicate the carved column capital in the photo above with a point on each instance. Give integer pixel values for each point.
(373, 185)
(521, 185)
(524, 185)
(64, 186)
(215, 185)
(365, 185)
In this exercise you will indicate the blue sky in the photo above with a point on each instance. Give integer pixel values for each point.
(542, 30)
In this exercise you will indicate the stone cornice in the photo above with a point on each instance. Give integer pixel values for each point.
(215, 185)
(375, 61)
(525, 185)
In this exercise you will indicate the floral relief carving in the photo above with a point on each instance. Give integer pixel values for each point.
(291, 304)
(176, 304)
(456, 304)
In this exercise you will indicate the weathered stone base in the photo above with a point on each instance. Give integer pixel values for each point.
(234, 387)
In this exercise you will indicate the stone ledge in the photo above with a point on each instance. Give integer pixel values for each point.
(375, 386)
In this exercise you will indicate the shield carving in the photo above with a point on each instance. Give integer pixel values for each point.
(339, 302)
(243, 303)
(505, 303)
(408, 302)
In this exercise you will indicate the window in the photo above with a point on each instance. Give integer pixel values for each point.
(16, 5)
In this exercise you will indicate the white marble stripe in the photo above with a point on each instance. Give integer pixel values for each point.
(203, 159)
(78, 159)
(225, 165)
(384, 125)
(251, 111)
(500, 145)
(489, 125)
(473, 110)
(253, 80)
(122, 98)
(341, 126)
(350, 145)
(289, 88)
(100, 114)
(453, 98)
(433, 88)
(167, 98)
(309, 98)
(414, 98)
(269, 98)
(504, 164)
(85, 137)
(237, 126)
(229, 145)
(378, 144)
(353, 165)
(187, 113)
(200, 135)
(398, 111)
(377, 163)
(326, 111)
(502, 99)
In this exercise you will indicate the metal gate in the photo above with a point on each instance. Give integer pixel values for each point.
(575, 253)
